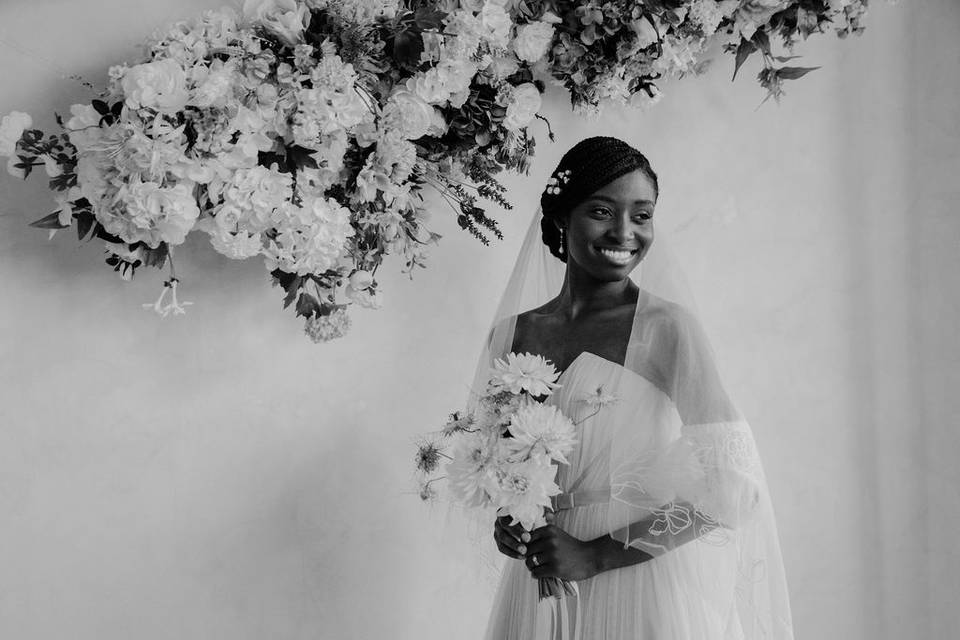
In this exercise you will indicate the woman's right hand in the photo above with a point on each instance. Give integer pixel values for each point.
(511, 539)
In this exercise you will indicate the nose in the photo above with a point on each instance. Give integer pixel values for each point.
(622, 229)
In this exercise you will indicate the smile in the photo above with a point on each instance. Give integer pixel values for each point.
(617, 256)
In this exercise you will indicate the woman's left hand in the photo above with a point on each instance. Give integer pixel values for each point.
(554, 553)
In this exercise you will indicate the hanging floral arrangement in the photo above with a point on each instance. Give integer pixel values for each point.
(304, 132)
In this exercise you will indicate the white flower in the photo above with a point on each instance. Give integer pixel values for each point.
(451, 76)
(84, 116)
(236, 246)
(328, 327)
(328, 107)
(599, 398)
(501, 67)
(497, 23)
(285, 18)
(409, 114)
(525, 372)
(706, 13)
(753, 13)
(11, 130)
(471, 472)
(214, 85)
(255, 193)
(523, 491)
(541, 430)
(533, 40)
(151, 213)
(438, 124)
(160, 85)
(679, 55)
(371, 179)
(360, 279)
(310, 238)
(524, 104)
(51, 166)
(646, 33)
(396, 154)
(366, 298)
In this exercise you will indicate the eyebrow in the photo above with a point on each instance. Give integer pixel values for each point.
(612, 201)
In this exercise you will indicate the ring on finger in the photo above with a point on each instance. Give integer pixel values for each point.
(534, 560)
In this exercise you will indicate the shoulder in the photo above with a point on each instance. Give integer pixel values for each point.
(669, 320)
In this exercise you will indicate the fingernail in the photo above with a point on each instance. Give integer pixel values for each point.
(525, 537)
(522, 550)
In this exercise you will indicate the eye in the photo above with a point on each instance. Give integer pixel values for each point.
(599, 212)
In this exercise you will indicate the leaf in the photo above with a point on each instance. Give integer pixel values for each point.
(25, 164)
(300, 158)
(292, 291)
(762, 40)
(307, 306)
(101, 233)
(407, 47)
(84, 224)
(743, 52)
(784, 58)
(792, 73)
(102, 107)
(51, 221)
(117, 109)
(429, 18)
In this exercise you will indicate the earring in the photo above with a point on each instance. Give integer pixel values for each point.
(563, 238)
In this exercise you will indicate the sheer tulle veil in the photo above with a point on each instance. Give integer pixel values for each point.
(704, 486)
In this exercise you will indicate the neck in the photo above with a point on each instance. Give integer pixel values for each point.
(582, 294)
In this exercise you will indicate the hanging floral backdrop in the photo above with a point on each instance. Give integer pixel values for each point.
(304, 132)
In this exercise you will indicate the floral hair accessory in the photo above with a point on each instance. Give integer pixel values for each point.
(557, 181)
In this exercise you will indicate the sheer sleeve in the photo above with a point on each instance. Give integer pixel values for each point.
(687, 469)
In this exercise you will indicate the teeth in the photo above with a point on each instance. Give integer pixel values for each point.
(621, 257)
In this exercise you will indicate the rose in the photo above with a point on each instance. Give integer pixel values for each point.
(533, 41)
(410, 114)
(11, 130)
(497, 23)
(523, 106)
(285, 18)
(160, 85)
(360, 280)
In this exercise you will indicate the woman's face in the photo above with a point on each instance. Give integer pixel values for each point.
(610, 232)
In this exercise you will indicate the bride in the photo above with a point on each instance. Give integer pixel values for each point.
(665, 522)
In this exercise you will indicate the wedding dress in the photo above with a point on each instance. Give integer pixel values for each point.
(665, 463)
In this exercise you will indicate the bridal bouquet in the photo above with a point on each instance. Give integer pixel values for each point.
(504, 452)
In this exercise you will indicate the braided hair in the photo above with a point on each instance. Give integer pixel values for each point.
(586, 167)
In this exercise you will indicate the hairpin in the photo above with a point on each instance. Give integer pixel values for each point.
(557, 180)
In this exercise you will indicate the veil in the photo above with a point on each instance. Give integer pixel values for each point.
(702, 485)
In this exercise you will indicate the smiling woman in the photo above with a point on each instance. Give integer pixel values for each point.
(665, 464)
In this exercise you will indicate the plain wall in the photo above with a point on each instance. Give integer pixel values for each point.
(218, 475)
